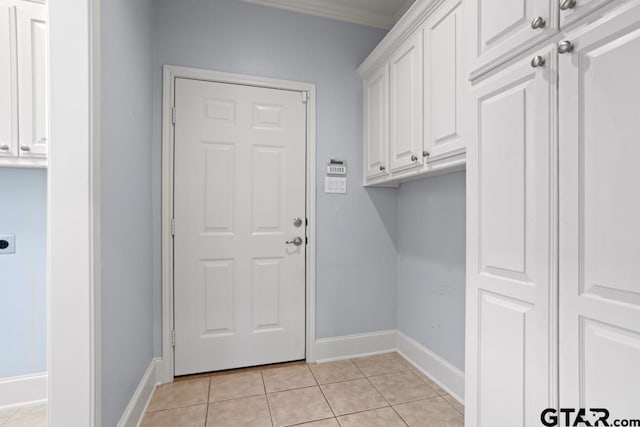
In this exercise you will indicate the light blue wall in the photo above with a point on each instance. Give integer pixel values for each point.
(127, 295)
(356, 254)
(23, 324)
(431, 264)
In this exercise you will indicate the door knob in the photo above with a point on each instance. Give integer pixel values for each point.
(565, 47)
(538, 23)
(296, 241)
(4, 147)
(567, 4)
(414, 157)
(425, 154)
(382, 168)
(297, 222)
(537, 61)
(25, 148)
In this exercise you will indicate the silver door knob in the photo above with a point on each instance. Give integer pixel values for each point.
(297, 222)
(382, 168)
(4, 147)
(567, 4)
(538, 23)
(414, 158)
(25, 148)
(565, 47)
(425, 154)
(537, 61)
(296, 241)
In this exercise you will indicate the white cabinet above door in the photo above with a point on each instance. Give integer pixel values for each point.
(376, 119)
(8, 84)
(406, 105)
(501, 29)
(32, 66)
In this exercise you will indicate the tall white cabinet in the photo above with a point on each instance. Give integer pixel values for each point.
(599, 130)
(553, 313)
(23, 84)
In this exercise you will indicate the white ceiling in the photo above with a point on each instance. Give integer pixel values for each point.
(375, 13)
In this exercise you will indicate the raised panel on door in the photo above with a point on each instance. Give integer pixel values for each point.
(443, 80)
(510, 285)
(8, 84)
(502, 29)
(376, 128)
(599, 211)
(405, 145)
(33, 82)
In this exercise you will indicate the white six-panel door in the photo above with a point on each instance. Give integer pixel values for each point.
(600, 216)
(239, 185)
(510, 285)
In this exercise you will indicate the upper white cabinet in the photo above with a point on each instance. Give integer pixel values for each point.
(32, 82)
(502, 29)
(376, 112)
(406, 104)
(8, 88)
(444, 82)
(414, 97)
(23, 85)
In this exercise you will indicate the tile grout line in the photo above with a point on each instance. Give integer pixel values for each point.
(206, 413)
(266, 396)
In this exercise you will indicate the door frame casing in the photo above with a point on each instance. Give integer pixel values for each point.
(170, 74)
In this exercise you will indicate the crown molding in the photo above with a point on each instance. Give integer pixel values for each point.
(334, 10)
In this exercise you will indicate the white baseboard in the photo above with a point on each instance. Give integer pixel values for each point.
(348, 346)
(132, 416)
(442, 372)
(23, 389)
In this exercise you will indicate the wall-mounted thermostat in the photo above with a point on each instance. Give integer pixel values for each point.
(337, 168)
(336, 180)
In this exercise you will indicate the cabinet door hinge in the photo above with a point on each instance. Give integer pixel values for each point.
(305, 97)
(173, 226)
(173, 115)
(173, 338)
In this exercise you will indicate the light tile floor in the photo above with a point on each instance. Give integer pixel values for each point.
(31, 415)
(382, 390)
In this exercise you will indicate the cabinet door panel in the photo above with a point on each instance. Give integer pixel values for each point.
(580, 9)
(8, 84)
(502, 29)
(33, 90)
(443, 81)
(376, 128)
(406, 105)
(600, 233)
(510, 302)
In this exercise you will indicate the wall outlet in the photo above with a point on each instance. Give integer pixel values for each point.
(7, 245)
